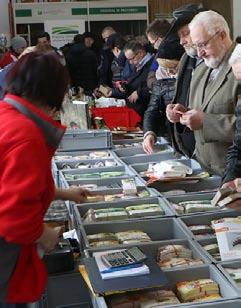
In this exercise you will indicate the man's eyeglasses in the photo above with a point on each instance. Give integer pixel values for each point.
(154, 42)
(133, 58)
(204, 44)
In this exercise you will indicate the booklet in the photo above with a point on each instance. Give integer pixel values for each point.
(228, 232)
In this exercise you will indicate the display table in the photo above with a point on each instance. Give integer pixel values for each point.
(117, 116)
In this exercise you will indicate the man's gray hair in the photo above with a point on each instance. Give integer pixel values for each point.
(108, 28)
(236, 55)
(212, 21)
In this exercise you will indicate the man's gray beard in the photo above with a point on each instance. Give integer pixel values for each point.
(212, 63)
(191, 52)
(215, 62)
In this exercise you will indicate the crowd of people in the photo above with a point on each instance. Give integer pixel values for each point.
(183, 79)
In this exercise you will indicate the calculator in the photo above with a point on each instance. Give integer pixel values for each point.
(124, 257)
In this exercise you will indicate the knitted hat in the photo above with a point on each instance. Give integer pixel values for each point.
(170, 49)
(115, 40)
(17, 43)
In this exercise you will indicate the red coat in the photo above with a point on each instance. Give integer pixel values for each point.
(7, 58)
(26, 190)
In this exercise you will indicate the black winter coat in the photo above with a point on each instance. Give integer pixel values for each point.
(82, 66)
(155, 116)
(104, 69)
(182, 137)
(137, 82)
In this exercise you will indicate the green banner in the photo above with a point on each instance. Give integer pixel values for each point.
(110, 10)
(79, 11)
(23, 13)
(118, 10)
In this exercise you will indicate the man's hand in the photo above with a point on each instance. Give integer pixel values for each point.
(133, 97)
(97, 93)
(235, 184)
(193, 119)
(236, 67)
(148, 144)
(120, 86)
(230, 184)
(174, 112)
(76, 194)
(235, 205)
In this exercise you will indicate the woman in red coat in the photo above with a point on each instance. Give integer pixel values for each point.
(35, 88)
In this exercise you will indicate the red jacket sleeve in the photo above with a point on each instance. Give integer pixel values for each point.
(22, 189)
(5, 60)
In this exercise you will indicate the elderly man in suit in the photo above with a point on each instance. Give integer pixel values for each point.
(213, 92)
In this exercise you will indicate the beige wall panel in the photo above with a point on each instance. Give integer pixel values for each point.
(166, 6)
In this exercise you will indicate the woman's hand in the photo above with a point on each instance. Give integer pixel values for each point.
(76, 194)
(50, 237)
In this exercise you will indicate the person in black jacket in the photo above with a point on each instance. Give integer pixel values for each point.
(182, 137)
(155, 122)
(106, 58)
(116, 43)
(232, 174)
(135, 90)
(43, 39)
(155, 34)
(82, 66)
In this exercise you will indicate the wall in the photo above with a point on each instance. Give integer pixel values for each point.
(165, 7)
(224, 7)
(236, 18)
(228, 8)
(4, 25)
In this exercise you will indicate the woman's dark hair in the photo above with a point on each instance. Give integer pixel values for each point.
(40, 78)
(43, 34)
(115, 40)
(89, 34)
(78, 38)
(158, 28)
